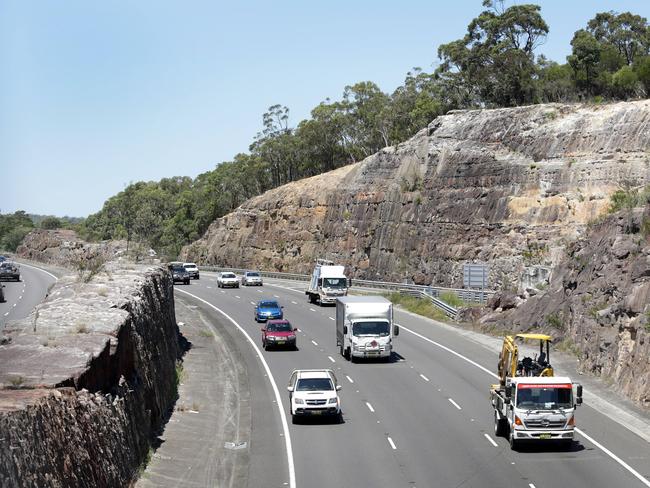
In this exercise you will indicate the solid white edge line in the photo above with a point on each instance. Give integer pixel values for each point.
(40, 269)
(454, 403)
(370, 407)
(491, 441)
(392, 444)
(276, 391)
(634, 472)
(424, 377)
(639, 476)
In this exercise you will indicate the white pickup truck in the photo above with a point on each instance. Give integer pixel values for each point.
(535, 408)
(227, 279)
(314, 392)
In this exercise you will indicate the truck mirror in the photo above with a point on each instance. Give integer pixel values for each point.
(508, 393)
(290, 389)
(579, 395)
(396, 330)
(338, 387)
(345, 329)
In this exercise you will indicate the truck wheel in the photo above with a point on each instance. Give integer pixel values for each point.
(514, 444)
(500, 425)
(347, 354)
(294, 419)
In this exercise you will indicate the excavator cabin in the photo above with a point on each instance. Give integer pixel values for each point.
(510, 365)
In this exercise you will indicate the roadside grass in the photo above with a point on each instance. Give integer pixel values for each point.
(416, 305)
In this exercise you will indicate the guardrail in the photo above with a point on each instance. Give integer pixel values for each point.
(432, 293)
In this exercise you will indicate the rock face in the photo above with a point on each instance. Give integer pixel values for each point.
(599, 302)
(87, 380)
(508, 187)
(63, 247)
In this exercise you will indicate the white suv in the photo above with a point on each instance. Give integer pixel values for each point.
(314, 392)
(192, 269)
(226, 278)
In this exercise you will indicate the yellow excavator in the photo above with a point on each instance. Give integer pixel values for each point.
(510, 365)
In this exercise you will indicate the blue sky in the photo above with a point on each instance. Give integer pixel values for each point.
(94, 95)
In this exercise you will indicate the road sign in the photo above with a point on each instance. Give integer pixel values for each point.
(475, 275)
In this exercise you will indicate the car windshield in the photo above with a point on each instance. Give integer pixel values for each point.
(544, 397)
(269, 305)
(334, 283)
(370, 329)
(228, 275)
(178, 268)
(191, 266)
(282, 327)
(314, 384)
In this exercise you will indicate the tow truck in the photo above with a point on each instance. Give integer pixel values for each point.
(530, 403)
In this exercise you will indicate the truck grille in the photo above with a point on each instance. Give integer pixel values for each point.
(364, 348)
(316, 402)
(544, 424)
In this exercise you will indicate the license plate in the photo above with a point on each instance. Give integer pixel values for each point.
(280, 342)
(545, 436)
(373, 353)
(316, 412)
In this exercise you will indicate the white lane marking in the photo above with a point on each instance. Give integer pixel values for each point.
(392, 444)
(634, 472)
(491, 441)
(312, 310)
(209, 287)
(259, 291)
(283, 416)
(237, 296)
(370, 407)
(20, 297)
(530, 485)
(424, 377)
(295, 303)
(15, 304)
(350, 379)
(332, 318)
(40, 269)
(454, 404)
(331, 359)
(314, 343)
(252, 303)
(222, 291)
(276, 296)
(6, 314)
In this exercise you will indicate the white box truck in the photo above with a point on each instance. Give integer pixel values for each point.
(328, 282)
(364, 327)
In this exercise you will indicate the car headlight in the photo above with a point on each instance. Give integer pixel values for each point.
(333, 400)
(298, 401)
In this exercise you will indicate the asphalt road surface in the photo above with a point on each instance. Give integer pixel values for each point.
(422, 420)
(22, 296)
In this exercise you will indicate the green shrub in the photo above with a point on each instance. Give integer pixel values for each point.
(419, 306)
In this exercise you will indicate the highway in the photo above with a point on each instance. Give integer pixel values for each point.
(423, 420)
(21, 297)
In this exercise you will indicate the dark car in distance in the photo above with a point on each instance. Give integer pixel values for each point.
(268, 309)
(2, 293)
(278, 333)
(179, 273)
(9, 271)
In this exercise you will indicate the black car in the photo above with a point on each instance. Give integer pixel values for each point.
(180, 274)
(9, 271)
(2, 293)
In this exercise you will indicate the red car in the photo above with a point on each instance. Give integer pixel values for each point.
(278, 333)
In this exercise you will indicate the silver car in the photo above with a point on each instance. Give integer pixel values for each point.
(251, 278)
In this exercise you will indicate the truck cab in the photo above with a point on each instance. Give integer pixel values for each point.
(328, 282)
(533, 409)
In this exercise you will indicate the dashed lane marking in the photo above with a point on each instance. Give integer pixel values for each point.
(454, 403)
(295, 303)
(314, 343)
(312, 310)
(332, 318)
(276, 296)
(392, 444)
(370, 407)
(350, 379)
(490, 440)
(424, 377)
(331, 359)
(252, 303)
(237, 296)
